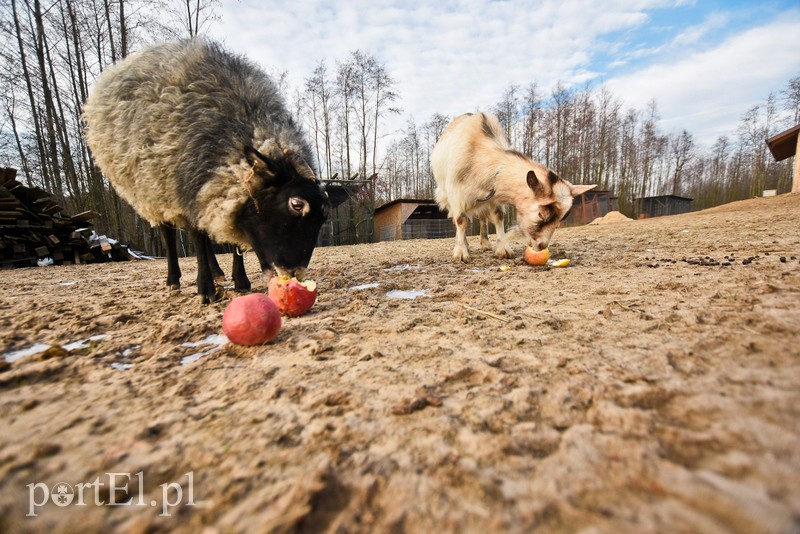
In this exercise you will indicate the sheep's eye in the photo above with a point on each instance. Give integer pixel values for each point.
(298, 206)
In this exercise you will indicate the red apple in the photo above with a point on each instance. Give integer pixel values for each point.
(534, 257)
(293, 298)
(251, 319)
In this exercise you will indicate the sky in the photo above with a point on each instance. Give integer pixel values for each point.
(705, 63)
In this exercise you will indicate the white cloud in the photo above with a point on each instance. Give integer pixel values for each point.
(455, 56)
(707, 92)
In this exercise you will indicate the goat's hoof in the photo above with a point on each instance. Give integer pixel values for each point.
(504, 253)
(219, 279)
(173, 286)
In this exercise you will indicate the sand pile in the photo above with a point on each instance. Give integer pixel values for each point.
(611, 217)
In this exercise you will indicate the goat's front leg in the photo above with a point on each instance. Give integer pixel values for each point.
(461, 250)
(503, 249)
(485, 245)
(206, 287)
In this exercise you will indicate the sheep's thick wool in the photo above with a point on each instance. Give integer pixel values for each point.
(167, 126)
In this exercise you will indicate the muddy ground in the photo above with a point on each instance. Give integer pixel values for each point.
(629, 392)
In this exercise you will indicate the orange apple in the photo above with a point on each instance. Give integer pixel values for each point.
(293, 297)
(533, 257)
(251, 319)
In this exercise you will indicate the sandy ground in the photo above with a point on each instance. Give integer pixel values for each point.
(629, 392)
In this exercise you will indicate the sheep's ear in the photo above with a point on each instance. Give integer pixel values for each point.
(337, 194)
(256, 159)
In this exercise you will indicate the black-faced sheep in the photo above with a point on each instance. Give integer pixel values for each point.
(197, 138)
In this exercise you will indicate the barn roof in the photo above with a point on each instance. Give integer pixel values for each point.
(784, 145)
(404, 201)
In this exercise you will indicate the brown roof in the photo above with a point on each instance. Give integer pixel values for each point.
(784, 145)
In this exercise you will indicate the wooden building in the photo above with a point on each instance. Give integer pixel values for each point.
(661, 205)
(589, 206)
(785, 145)
(411, 219)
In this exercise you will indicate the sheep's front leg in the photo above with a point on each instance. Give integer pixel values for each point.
(503, 249)
(206, 287)
(461, 250)
(240, 280)
(216, 270)
(168, 233)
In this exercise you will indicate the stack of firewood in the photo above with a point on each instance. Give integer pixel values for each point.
(35, 230)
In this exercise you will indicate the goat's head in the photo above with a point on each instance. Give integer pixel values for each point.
(549, 202)
(285, 213)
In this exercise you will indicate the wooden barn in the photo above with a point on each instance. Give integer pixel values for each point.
(411, 219)
(661, 205)
(589, 206)
(785, 145)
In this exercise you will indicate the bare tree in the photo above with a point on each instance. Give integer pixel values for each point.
(682, 150)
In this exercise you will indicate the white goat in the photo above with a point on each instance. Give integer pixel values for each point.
(477, 174)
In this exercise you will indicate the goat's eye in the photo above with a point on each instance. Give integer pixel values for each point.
(299, 206)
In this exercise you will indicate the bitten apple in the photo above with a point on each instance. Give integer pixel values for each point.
(293, 297)
(533, 257)
(251, 319)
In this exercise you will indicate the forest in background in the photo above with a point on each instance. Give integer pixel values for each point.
(50, 53)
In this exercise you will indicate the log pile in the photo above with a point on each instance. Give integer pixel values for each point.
(35, 230)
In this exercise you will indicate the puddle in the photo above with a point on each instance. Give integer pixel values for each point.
(364, 286)
(215, 340)
(404, 267)
(406, 295)
(84, 343)
(124, 362)
(13, 356)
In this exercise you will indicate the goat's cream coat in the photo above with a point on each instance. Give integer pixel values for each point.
(477, 173)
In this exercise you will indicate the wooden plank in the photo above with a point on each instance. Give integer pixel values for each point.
(85, 216)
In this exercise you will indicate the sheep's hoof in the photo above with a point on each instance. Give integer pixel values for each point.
(208, 299)
(241, 287)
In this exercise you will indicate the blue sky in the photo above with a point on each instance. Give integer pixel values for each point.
(704, 62)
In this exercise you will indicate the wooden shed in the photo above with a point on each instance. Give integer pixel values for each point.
(411, 219)
(785, 145)
(661, 205)
(588, 207)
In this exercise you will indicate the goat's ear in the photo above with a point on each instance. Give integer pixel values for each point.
(533, 183)
(336, 194)
(578, 190)
(552, 177)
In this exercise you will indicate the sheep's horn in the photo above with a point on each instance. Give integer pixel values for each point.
(300, 165)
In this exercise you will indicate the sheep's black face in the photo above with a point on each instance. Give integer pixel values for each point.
(283, 219)
(282, 223)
